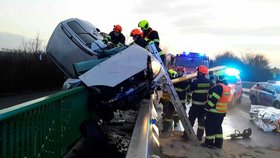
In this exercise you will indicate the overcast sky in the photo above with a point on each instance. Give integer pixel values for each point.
(206, 26)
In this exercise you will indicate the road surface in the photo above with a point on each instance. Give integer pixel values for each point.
(260, 144)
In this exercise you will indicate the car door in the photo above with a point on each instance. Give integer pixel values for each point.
(261, 94)
(269, 96)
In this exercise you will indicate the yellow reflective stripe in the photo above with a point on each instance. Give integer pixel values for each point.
(179, 89)
(203, 85)
(226, 93)
(221, 107)
(210, 103)
(218, 135)
(216, 95)
(156, 40)
(176, 114)
(201, 91)
(199, 102)
(167, 120)
(213, 110)
(210, 137)
(200, 127)
(160, 53)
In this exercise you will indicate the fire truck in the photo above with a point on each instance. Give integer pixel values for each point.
(190, 61)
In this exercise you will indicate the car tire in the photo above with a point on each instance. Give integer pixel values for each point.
(253, 100)
(276, 105)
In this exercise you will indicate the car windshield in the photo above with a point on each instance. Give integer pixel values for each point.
(277, 88)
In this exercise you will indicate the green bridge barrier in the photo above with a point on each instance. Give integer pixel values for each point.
(44, 127)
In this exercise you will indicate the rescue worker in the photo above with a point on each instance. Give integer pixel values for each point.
(151, 36)
(168, 109)
(199, 93)
(216, 110)
(117, 38)
(181, 89)
(136, 34)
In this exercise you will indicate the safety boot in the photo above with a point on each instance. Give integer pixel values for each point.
(218, 142)
(208, 143)
(166, 126)
(185, 136)
(199, 134)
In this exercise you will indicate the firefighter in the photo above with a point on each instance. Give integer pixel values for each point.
(136, 34)
(181, 89)
(117, 38)
(216, 110)
(168, 109)
(198, 92)
(151, 36)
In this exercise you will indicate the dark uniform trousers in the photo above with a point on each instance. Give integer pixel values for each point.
(198, 111)
(214, 136)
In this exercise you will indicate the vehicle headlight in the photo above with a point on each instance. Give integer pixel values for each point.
(155, 66)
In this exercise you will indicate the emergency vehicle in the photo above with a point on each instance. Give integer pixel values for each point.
(190, 61)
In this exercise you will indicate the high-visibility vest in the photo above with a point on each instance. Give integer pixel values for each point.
(221, 105)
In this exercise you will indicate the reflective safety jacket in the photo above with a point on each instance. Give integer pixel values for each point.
(218, 98)
(151, 36)
(200, 88)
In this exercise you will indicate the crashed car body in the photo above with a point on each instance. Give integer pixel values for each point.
(116, 77)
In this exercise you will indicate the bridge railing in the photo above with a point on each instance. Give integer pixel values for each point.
(45, 127)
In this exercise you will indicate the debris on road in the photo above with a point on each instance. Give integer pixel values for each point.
(266, 118)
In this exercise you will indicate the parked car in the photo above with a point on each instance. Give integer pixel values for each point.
(266, 93)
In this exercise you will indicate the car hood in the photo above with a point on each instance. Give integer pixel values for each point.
(117, 68)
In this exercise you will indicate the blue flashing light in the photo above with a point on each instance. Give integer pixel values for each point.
(232, 71)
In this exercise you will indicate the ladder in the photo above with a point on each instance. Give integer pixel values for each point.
(174, 98)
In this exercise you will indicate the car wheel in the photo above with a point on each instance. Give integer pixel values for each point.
(253, 100)
(276, 105)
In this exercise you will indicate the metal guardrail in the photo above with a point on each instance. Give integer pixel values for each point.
(45, 127)
(144, 141)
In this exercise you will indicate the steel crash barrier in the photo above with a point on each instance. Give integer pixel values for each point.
(45, 127)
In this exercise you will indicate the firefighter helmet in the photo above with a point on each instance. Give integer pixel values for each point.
(172, 73)
(144, 24)
(117, 28)
(136, 32)
(202, 69)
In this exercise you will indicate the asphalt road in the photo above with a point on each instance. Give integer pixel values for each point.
(238, 118)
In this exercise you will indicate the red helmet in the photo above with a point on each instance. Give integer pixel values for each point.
(202, 69)
(117, 28)
(135, 32)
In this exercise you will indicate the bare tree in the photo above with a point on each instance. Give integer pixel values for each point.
(257, 67)
(228, 59)
(32, 45)
(256, 60)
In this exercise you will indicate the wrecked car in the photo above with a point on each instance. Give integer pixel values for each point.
(116, 77)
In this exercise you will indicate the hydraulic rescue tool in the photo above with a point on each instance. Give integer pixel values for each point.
(246, 134)
(174, 98)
